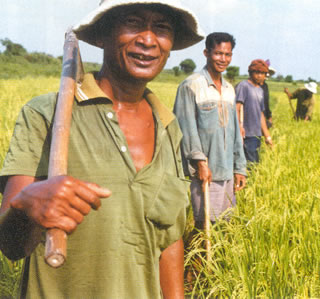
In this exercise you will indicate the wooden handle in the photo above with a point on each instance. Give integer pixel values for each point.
(207, 221)
(56, 247)
(56, 239)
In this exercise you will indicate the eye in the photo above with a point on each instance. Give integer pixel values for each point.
(163, 27)
(132, 21)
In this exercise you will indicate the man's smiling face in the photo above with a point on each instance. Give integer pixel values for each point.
(219, 57)
(140, 43)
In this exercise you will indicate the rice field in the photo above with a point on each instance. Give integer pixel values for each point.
(270, 246)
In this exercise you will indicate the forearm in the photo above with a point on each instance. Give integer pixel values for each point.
(264, 127)
(171, 271)
(288, 93)
(18, 236)
(239, 107)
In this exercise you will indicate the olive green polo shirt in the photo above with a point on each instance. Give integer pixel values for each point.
(115, 252)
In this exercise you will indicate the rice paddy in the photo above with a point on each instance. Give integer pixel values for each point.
(270, 245)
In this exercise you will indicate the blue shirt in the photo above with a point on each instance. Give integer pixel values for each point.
(210, 128)
(252, 99)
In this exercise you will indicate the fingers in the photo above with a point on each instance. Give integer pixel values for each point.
(59, 202)
(240, 182)
(91, 194)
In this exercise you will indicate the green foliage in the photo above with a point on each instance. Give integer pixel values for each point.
(10, 275)
(41, 58)
(311, 80)
(16, 62)
(176, 71)
(232, 73)
(280, 78)
(187, 66)
(269, 247)
(35, 65)
(288, 78)
(12, 48)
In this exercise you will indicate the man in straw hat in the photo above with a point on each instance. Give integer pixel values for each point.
(122, 138)
(250, 107)
(305, 100)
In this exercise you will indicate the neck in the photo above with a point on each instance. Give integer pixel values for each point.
(120, 90)
(215, 76)
(253, 83)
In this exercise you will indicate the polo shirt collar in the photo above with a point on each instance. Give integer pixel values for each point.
(89, 89)
(207, 75)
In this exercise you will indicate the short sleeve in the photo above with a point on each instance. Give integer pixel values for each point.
(167, 236)
(29, 147)
(241, 93)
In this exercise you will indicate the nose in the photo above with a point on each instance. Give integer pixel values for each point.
(147, 38)
(223, 57)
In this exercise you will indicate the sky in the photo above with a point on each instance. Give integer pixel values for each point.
(287, 32)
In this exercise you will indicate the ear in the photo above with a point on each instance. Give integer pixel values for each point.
(206, 52)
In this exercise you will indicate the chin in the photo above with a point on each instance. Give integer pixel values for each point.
(143, 76)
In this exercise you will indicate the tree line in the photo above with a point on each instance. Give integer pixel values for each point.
(15, 53)
(187, 66)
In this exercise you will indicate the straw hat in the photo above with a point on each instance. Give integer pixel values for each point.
(311, 86)
(271, 71)
(188, 33)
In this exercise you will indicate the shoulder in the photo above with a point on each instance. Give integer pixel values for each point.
(297, 91)
(194, 81)
(227, 84)
(43, 104)
(242, 85)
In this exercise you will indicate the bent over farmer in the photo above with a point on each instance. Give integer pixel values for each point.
(305, 100)
(122, 140)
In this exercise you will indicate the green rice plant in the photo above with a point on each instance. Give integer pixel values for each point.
(269, 247)
(14, 93)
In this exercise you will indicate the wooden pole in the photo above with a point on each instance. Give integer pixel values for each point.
(207, 221)
(72, 72)
(292, 109)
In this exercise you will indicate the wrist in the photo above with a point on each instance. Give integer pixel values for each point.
(202, 163)
(269, 138)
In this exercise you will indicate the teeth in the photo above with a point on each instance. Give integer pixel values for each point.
(141, 57)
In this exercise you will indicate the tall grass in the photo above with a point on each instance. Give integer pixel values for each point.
(270, 246)
(13, 94)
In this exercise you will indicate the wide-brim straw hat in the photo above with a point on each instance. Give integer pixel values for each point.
(271, 71)
(311, 86)
(187, 34)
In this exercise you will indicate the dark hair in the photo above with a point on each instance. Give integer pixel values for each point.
(217, 38)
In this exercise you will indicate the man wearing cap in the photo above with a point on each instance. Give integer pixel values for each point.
(305, 100)
(250, 107)
(206, 111)
(122, 139)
